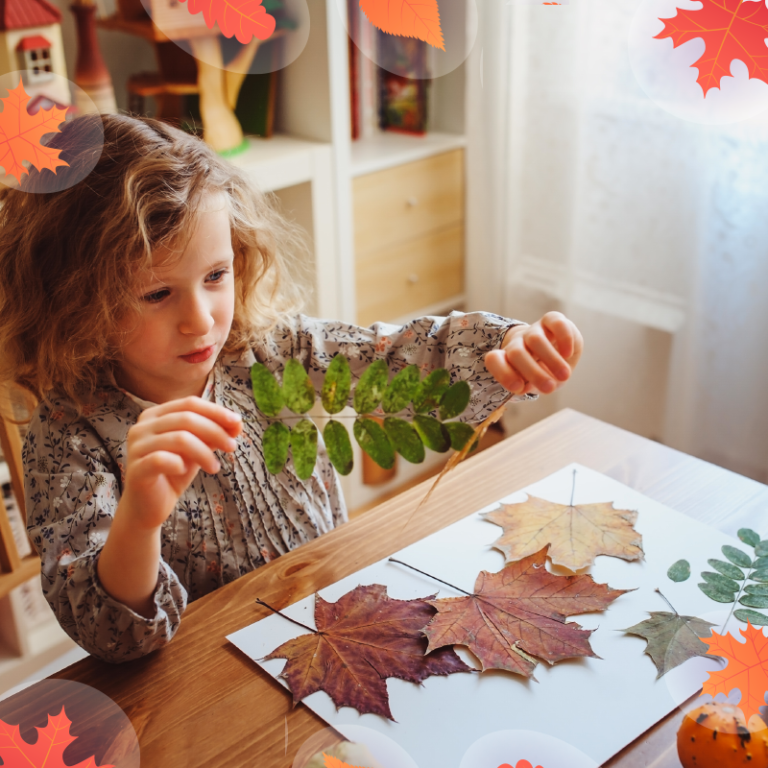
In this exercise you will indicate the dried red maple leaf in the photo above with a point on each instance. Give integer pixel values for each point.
(20, 134)
(46, 752)
(747, 668)
(245, 19)
(362, 639)
(731, 29)
(577, 533)
(407, 18)
(519, 613)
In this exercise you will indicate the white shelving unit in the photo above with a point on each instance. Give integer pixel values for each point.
(30, 636)
(388, 150)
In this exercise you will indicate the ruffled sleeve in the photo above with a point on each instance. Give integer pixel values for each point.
(72, 490)
(458, 342)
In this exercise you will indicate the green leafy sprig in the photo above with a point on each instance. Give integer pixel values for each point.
(741, 580)
(379, 441)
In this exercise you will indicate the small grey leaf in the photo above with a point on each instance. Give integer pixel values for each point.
(731, 571)
(754, 601)
(755, 618)
(737, 557)
(748, 536)
(720, 581)
(679, 571)
(716, 593)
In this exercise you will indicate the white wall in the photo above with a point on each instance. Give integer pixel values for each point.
(621, 378)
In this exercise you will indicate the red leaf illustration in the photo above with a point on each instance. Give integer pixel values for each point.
(747, 668)
(731, 29)
(408, 18)
(245, 19)
(362, 639)
(46, 752)
(20, 134)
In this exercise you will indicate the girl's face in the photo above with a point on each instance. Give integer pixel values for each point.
(187, 308)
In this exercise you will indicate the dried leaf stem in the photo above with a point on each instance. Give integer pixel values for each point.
(573, 490)
(685, 622)
(459, 456)
(279, 613)
(666, 601)
(424, 573)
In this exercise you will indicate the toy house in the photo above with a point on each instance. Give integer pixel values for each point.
(30, 40)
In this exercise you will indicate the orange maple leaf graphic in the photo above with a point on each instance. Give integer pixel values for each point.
(525, 763)
(46, 752)
(731, 29)
(334, 762)
(407, 18)
(245, 19)
(747, 668)
(20, 134)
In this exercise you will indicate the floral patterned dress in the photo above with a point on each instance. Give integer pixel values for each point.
(231, 522)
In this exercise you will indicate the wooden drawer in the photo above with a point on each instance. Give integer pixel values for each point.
(408, 201)
(400, 280)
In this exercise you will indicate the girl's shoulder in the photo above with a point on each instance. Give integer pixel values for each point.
(105, 412)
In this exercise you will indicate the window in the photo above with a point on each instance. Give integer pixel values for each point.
(36, 59)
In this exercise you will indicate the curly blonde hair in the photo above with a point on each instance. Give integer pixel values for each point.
(70, 261)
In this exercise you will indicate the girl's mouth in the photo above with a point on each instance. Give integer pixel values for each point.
(198, 357)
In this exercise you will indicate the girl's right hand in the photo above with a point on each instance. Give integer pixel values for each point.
(166, 447)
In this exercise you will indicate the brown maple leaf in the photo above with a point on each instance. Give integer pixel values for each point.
(20, 134)
(747, 668)
(576, 533)
(731, 29)
(519, 613)
(46, 752)
(407, 18)
(362, 639)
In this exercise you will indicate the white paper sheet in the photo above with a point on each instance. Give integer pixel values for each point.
(597, 705)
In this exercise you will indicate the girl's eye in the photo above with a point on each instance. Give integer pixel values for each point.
(154, 298)
(217, 276)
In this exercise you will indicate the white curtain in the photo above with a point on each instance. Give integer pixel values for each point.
(582, 188)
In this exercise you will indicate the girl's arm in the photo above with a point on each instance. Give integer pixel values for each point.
(73, 494)
(167, 447)
(458, 342)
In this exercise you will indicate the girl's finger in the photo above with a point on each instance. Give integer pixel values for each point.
(209, 431)
(521, 360)
(162, 463)
(229, 420)
(543, 350)
(192, 449)
(559, 330)
(497, 365)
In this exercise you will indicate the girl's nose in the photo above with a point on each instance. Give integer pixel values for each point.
(196, 317)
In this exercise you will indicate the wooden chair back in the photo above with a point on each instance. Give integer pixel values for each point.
(15, 569)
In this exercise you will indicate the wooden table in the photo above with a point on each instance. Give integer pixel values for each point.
(201, 702)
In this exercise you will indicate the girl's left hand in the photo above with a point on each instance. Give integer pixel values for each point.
(537, 358)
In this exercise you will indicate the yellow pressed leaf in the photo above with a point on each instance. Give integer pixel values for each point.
(576, 533)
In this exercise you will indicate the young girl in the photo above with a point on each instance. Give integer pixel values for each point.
(132, 306)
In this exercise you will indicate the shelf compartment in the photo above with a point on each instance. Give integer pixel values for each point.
(396, 281)
(280, 161)
(389, 149)
(408, 201)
